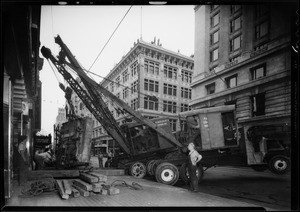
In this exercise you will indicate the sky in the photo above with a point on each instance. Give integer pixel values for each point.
(86, 29)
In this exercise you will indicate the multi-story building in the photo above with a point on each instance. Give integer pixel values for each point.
(21, 86)
(243, 57)
(150, 79)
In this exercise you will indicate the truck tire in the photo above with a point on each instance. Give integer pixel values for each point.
(167, 173)
(153, 166)
(279, 164)
(149, 166)
(184, 174)
(137, 170)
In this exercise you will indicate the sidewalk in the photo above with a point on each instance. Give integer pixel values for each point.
(153, 194)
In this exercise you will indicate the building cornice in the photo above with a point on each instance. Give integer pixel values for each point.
(246, 59)
(137, 50)
(244, 86)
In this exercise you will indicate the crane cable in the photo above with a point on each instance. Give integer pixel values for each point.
(110, 38)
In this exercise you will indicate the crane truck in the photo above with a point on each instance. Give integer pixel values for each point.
(149, 146)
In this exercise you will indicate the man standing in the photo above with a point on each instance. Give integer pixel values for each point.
(193, 159)
(22, 159)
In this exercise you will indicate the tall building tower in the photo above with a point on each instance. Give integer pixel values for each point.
(243, 57)
(153, 81)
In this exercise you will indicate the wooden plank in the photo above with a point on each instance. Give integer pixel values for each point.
(67, 186)
(61, 190)
(104, 191)
(75, 192)
(97, 185)
(101, 177)
(83, 185)
(113, 190)
(88, 178)
(81, 191)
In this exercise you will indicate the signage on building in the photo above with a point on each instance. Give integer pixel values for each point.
(42, 140)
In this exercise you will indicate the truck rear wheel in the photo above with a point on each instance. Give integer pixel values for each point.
(167, 173)
(184, 173)
(137, 170)
(149, 167)
(279, 164)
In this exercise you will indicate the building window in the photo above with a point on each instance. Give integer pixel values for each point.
(186, 93)
(235, 8)
(236, 24)
(170, 89)
(236, 43)
(125, 93)
(186, 76)
(81, 105)
(213, 7)
(258, 104)
(125, 75)
(173, 124)
(170, 72)
(118, 81)
(150, 85)
(261, 29)
(150, 104)
(214, 37)
(210, 89)
(134, 104)
(112, 87)
(134, 87)
(183, 125)
(185, 107)
(215, 20)
(261, 10)
(169, 106)
(214, 55)
(231, 81)
(134, 68)
(258, 71)
(151, 67)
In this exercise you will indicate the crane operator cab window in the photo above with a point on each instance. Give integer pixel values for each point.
(144, 139)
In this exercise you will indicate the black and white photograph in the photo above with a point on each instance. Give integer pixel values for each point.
(150, 105)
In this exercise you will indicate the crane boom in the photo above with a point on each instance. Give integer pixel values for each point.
(96, 109)
(91, 97)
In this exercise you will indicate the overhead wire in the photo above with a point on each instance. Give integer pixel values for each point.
(110, 37)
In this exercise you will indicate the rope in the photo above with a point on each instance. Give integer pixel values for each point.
(134, 185)
(39, 186)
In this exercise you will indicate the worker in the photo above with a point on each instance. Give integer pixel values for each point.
(193, 158)
(22, 158)
(43, 159)
(193, 128)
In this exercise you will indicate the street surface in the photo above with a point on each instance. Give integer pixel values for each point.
(244, 184)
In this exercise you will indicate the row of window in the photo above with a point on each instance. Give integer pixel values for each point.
(256, 72)
(261, 30)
